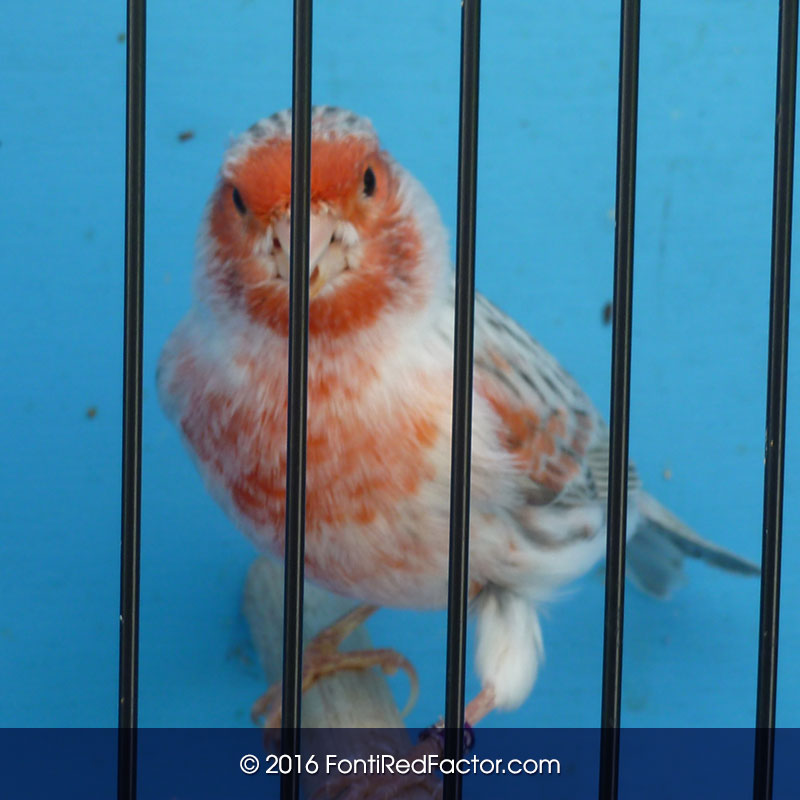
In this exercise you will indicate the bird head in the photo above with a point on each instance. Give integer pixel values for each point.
(376, 245)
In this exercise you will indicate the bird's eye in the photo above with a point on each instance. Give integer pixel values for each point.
(369, 182)
(238, 202)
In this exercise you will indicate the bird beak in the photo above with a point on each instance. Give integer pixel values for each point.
(322, 227)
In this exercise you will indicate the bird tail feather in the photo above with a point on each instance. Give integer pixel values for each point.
(656, 551)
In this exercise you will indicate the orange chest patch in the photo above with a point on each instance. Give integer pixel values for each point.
(358, 464)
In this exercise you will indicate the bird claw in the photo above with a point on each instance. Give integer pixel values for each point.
(322, 658)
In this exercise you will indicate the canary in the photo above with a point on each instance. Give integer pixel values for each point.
(380, 358)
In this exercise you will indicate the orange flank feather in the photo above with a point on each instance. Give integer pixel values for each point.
(549, 450)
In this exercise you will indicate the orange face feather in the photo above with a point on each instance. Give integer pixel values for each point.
(388, 240)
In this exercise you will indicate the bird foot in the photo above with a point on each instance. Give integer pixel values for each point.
(323, 658)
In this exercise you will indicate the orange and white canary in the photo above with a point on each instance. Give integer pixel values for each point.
(380, 361)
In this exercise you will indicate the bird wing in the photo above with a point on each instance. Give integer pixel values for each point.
(547, 422)
(561, 446)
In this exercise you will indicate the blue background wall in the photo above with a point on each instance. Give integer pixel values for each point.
(545, 246)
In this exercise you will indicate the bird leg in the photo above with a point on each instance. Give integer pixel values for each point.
(480, 706)
(323, 658)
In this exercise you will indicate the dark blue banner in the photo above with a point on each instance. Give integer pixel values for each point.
(220, 764)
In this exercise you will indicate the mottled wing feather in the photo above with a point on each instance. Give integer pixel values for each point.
(548, 423)
(597, 466)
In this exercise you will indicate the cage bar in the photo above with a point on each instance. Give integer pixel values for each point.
(462, 390)
(620, 398)
(766, 693)
(132, 404)
(298, 393)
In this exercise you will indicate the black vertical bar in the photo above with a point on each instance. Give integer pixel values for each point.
(298, 393)
(776, 400)
(620, 398)
(132, 405)
(462, 390)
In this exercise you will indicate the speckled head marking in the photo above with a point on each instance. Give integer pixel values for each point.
(369, 244)
(327, 122)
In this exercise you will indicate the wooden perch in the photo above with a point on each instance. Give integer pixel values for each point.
(349, 699)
